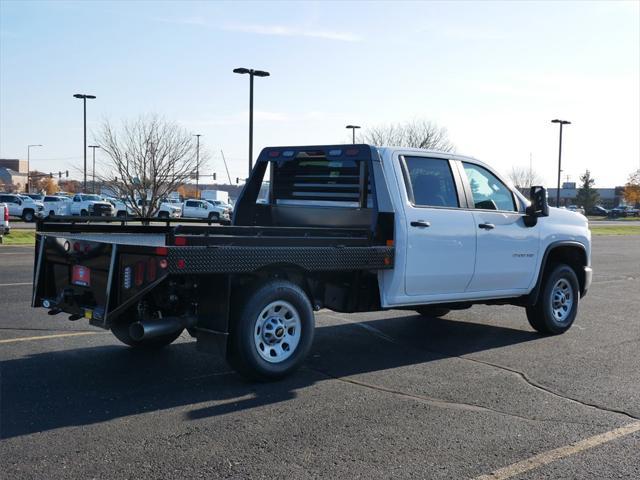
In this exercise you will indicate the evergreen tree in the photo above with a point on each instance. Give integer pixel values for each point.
(587, 196)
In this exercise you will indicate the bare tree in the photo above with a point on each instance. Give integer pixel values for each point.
(524, 178)
(416, 134)
(147, 159)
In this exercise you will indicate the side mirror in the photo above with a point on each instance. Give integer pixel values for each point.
(539, 206)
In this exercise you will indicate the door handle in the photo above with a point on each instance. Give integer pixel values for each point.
(487, 226)
(420, 223)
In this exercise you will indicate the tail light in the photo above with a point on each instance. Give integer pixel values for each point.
(152, 269)
(139, 274)
(6, 214)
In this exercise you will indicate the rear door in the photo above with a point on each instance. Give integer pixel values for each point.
(441, 236)
(507, 250)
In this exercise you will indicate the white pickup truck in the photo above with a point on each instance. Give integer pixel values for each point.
(165, 210)
(192, 208)
(87, 204)
(349, 228)
(21, 206)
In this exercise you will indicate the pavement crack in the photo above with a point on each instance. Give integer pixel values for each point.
(438, 402)
(523, 376)
(532, 383)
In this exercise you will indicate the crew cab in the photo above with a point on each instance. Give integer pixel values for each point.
(349, 228)
(192, 208)
(165, 209)
(86, 204)
(56, 205)
(22, 207)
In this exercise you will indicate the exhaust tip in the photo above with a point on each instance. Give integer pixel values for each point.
(136, 331)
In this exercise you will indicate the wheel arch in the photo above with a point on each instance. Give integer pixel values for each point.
(569, 252)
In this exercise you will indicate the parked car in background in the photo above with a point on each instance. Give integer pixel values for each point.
(166, 210)
(193, 208)
(576, 208)
(4, 219)
(87, 204)
(22, 207)
(599, 210)
(222, 205)
(624, 211)
(56, 205)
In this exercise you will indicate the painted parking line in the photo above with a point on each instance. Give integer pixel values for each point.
(15, 284)
(559, 453)
(47, 337)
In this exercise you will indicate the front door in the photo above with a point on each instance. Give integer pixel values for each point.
(507, 250)
(441, 238)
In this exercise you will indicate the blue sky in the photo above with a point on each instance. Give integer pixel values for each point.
(493, 73)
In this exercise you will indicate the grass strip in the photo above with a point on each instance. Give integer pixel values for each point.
(19, 237)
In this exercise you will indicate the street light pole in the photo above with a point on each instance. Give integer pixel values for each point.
(29, 166)
(561, 122)
(252, 73)
(84, 101)
(353, 131)
(93, 147)
(197, 135)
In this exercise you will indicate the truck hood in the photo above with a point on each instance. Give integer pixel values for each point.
(567, 217)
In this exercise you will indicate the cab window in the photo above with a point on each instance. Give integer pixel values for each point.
(430, 182)
(488, 192)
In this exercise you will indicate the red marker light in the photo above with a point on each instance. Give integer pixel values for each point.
(180, 241)
(162, 251)
(352, 152)
(274, 153)
(181, 263)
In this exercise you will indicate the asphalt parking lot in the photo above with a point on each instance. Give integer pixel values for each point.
(476, 394)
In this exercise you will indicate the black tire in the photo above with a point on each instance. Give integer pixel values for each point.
(84, 213)
(121, 214)
(121, 332)
(214, 216)
(163, 215)
(28, 215)
(52, 213)
(243, 349)
(541, 315)
(434, 312)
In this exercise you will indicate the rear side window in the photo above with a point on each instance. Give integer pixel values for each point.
(488, 192)
(191, 204)
(431, 182)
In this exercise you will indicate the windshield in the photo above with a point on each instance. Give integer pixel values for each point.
(91, 197)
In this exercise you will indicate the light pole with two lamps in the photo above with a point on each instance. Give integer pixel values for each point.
(561, 122)
(84, 98)
(353, 131)
(252, 73)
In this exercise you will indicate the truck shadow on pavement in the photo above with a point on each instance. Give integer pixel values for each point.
(85, 386)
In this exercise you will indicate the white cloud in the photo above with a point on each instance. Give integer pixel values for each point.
(279, 30)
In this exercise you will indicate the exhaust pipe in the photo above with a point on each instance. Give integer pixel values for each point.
(147, 329)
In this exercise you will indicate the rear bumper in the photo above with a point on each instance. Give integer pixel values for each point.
(588, 277)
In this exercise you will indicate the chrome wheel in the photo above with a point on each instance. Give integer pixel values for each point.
(561, 300)
(277, 331)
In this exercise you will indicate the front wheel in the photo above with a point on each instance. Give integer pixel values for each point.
(163, 215)
(214, 216)
(273, 332)
(28, 216)
(557, 304)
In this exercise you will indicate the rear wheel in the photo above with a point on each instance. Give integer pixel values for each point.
(557, 304)
(84, 213)
(214, 216)
(434, 312)
(273, 331)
